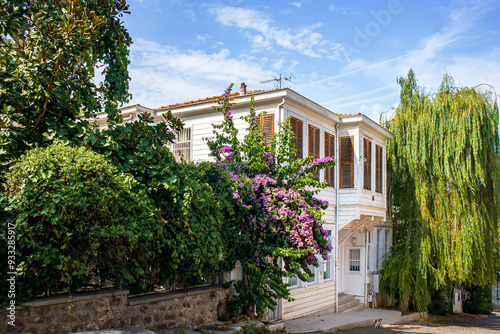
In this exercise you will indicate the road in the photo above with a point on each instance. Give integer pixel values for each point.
(456, 324)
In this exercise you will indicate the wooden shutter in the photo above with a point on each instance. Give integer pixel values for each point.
(378, 168)
(346, 162)
(330, 152)
(298, 141)
(367, 164)
(267, 130)
(314, 144)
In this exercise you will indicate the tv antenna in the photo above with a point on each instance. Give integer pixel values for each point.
(281, 79)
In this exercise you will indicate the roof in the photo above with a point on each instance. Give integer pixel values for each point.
(235, 94)
(348, 115)
(212, 98)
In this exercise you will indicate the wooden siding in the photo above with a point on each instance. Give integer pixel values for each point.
(309, 300)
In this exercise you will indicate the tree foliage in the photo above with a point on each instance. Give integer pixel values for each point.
(77, 222)
(443, 166)
(49, 51)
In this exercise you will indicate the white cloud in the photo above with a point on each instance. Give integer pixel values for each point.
(163, 75)
(304, 40)
(440, 52)
(296, 4)
(278, 65)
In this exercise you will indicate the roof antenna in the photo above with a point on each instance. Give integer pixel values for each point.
(281, 79)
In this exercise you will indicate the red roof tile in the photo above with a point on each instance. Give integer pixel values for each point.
(213, 98)
(347, 115)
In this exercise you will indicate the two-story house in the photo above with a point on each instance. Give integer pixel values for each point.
(356, 192)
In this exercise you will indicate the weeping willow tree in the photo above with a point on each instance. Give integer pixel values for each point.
(443, 172)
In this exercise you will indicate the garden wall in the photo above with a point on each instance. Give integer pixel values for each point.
(113, 309)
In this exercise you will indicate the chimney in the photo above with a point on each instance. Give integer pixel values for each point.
(243, 89)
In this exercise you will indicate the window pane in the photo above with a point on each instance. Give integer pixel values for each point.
(294, 281)
(182, 145)
(311, 279)
(354, 260)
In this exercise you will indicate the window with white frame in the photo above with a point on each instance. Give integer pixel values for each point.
(379, 251)
(354, 260)
(369, 250)
(182, 145)
(312, 279)
(329, 264)
(293, 281)
(387, 242)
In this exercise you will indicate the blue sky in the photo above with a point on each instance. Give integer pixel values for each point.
(345, 55)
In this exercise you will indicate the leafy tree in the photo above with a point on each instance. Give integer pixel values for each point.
(443, 166)
(192, 199)
(77, 222)
(276, 229)
(49, 51)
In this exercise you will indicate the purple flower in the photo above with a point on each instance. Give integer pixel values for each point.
(236, 195)
(225, 148)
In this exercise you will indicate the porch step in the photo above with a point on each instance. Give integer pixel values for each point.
(347, 303)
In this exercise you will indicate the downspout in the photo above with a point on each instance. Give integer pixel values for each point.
(279, 109)
(336, 247)
(366, 269)
(280, 301)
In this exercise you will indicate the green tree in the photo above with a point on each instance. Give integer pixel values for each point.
(77, 222)
(49, 51)
(443, 167)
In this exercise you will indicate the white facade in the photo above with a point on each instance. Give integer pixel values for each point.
(358, 230)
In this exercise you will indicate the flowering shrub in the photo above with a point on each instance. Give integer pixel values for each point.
(278, 219)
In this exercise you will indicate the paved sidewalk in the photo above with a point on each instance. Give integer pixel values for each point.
(338, 321)
(321, 323)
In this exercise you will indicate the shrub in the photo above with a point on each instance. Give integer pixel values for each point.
(479, 301)
(76, 220)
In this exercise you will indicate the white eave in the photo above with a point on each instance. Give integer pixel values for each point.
(289, 95)
(366, 121)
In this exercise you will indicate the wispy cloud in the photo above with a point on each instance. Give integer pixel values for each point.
(433, 55)
(164, 74)
(264, 34)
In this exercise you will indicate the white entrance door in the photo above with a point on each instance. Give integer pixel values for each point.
(353, 270)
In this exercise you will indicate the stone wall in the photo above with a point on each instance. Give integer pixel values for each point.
(113, 309)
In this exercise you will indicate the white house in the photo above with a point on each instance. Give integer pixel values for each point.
(356, 215)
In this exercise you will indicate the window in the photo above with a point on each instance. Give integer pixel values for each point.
(327, 274)
(369, 249)
(387, 244)
(267, 130)
(297, 130)
(312, 279)
(346, 162)
(182, 145)
(378, 168)
(293, 281)
(367, 164)
(330, 152)
(354, 260)
(313, 139)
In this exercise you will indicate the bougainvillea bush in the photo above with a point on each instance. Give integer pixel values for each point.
(278, 218)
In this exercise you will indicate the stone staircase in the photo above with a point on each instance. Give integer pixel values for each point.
(347, 303)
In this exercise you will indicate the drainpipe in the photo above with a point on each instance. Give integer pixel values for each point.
(280, 301)
(337, 179)
(279, 109)
(366, 269)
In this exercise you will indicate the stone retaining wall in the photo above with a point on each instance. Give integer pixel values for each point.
(112, 309)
